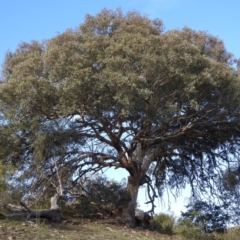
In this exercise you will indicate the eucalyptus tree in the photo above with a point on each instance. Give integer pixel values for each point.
(119, 92)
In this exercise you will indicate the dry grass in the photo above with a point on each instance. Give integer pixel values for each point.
(85, 229)
(76, 229)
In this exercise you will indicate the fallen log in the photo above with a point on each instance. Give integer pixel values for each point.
(52, 214)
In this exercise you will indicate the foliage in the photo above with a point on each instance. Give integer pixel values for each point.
(231, 178)
(207, 217)
(231, 234)
(119, 92)
(8, 192)
(163, 223)
(100, 197)
(184, 227)
(230, 189)
(2, 216)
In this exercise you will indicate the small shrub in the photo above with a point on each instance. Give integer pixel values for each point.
(188, 230)
(163, 223)
(230, 234)
(2, 216)
(185, 228)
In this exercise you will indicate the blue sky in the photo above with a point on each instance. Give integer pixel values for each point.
(26, 20)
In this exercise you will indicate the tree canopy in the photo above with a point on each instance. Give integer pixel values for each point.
(119, 91)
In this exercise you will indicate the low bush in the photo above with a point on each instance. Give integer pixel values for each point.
(163, 223)
(2, 216)
(230, 234)
(185, 228)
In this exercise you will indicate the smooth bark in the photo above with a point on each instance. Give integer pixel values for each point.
(128, 215)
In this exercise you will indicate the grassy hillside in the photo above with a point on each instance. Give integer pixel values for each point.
(74, 230)
(108, 229)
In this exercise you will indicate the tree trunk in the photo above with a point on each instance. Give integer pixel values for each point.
(128, 214)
